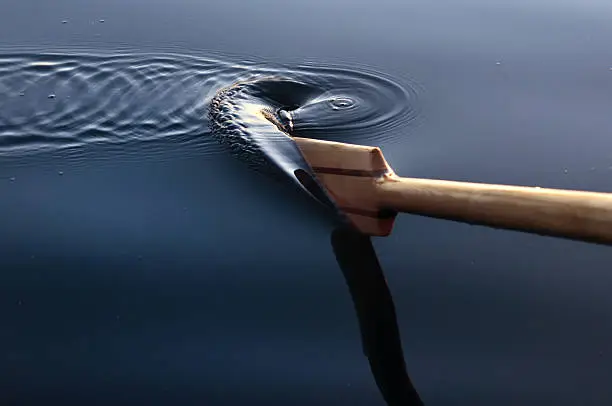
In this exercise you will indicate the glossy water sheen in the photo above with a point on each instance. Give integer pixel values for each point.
(141, 263)
(69, 98)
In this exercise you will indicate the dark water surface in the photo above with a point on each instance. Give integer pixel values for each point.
(140, 262)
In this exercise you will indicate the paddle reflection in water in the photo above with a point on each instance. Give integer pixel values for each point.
(376, 314)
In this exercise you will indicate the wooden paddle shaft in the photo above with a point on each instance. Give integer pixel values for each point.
(571, 214)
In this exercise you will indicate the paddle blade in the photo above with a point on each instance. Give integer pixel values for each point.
(350, 174)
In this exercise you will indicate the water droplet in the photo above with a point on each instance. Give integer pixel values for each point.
(565, 171)
(341, 103)
(51, 96)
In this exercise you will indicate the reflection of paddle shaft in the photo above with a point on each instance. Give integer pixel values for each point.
(373, 303)
(369, 193)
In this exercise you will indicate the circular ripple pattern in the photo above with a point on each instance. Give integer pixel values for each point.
(356, 106)
(55, 99)
(342, 103)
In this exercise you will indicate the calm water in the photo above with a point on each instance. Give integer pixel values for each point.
(139, 261)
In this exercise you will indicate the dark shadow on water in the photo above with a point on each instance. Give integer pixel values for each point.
(376, 314)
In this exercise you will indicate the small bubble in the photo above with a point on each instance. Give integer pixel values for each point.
(51, 96)
(60, 173)
(498, 63)
(12, 179)
(21, 94)
(101, 20)
(565, 171)
(64, 21)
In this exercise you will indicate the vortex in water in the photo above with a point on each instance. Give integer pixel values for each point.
(342, 103)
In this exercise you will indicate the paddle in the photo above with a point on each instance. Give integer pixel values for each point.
(370, 194)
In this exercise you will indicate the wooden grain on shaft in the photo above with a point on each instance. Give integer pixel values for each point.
(578, 215)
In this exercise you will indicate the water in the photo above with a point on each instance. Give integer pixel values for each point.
(124, 95)
(140, 262)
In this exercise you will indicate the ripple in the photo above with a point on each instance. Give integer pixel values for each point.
(71, 98)
(342, 103)
(330, 103)
(63, 99)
